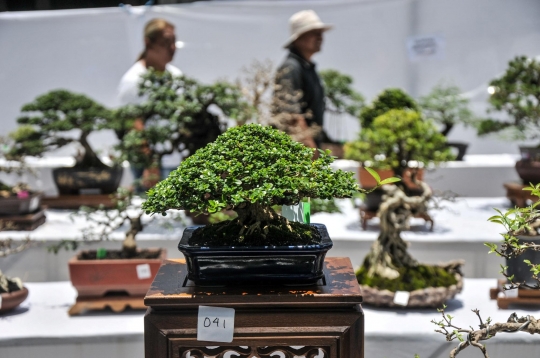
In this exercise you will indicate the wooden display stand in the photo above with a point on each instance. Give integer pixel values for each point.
(366, 215)
(268, 319)
(524, 296)
(115, 303)
(76, 201)
(518, 196)
(26, 222)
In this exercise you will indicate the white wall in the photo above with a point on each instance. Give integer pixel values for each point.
(89, 50)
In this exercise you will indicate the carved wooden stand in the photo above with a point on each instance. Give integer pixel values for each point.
(26, 222)
(524, 297)
(366, 215)
(518, 196)
(115, 303)
(76, 201)
(325, 319)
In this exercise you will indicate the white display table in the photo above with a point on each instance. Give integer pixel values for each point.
(41, 327)
(459, 233)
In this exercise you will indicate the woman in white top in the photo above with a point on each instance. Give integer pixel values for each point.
(159, 42)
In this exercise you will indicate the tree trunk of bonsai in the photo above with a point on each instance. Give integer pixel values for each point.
(90, 158)
(255, 217)
(389, 252)
(129, 246)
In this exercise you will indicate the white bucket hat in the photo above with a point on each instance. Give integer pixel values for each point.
(302, 22)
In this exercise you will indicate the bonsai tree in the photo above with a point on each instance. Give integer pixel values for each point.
(249, 169)
(517, 94)
(51, 116)
(12, 164)
(446, 107)
(178, 113)
(396, 138)
(518, 222)
(10, 247)
(339, 94)
(391, 98)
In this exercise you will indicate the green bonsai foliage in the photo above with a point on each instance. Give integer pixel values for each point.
(11, 163)
(446, 106)
(396, 138)
(340, 95)
(517, 94)
(392, 98)
(249, 169)
(51, 116)
(177, 115)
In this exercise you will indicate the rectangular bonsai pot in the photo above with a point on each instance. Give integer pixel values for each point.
(97, 278)
(231, 265)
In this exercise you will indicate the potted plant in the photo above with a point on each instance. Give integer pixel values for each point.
(399, 142)
(12, 290)
(177, 114)
(59, 118)
(516, 94)
(341, 98)
(16, 199)
(447, 107)
(95, 273)
(389, 271)
(249, 169)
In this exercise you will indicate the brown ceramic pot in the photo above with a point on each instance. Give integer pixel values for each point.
(528, 171)
(13, 299)
(14, 205)
(96, 278)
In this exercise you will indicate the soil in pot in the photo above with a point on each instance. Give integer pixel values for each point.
(119, 254)
(409, 279)
(229, 233)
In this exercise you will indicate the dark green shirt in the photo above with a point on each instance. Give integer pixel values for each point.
(299, 77)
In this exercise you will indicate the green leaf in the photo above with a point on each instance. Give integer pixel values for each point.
(374, 174)
(389, 181)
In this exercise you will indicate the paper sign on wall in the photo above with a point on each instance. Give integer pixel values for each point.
(143, 271)
(402, 298)
(215, 324)
(425, 47)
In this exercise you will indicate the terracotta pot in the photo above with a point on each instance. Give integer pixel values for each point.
(96, 278)
(13, 299)
(368, 182)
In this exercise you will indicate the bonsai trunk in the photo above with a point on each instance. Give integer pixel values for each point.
(129, 246)
(447, 128)
(90, 158)
(255, 217)
(389, 252)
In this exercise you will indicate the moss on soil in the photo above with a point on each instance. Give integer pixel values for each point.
(227, 233)
(410, 278)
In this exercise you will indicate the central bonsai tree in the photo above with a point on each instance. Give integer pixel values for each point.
(249, 169)
(51, 117)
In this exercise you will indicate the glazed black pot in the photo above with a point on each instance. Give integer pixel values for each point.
(232, 265)
(516, 266)
(71, 181)
(14, 205)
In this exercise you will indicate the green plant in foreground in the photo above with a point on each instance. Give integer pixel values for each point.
(249, 169)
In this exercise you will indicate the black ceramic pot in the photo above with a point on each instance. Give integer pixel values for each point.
(230, 265)
(14, 205)
(518, 268)
(71, 181)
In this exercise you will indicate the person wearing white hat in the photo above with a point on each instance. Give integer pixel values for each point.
(297, 75)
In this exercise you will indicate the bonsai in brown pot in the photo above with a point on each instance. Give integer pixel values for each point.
(12, 290)
(96, 273)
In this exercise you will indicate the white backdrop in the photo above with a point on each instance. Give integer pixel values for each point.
(88, 50)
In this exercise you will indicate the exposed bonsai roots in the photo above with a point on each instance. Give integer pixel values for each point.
(389, 252)
(259, 219)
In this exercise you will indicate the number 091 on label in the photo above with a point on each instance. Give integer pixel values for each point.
(215, 324)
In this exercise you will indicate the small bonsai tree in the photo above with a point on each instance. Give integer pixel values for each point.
(396, 138)
(12, 164)
(9, 247)
(517, 94)
(391, 98)
(50, 118)
(178, 114)
(521, 222)
(340, 95)
(249, 169)
(447, 107)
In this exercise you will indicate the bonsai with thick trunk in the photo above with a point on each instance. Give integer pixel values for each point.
(59, 118)
(249, 169)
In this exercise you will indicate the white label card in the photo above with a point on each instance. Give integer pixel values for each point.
(402, 298)
(215, 324)
(511, 293)
(143, 271)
